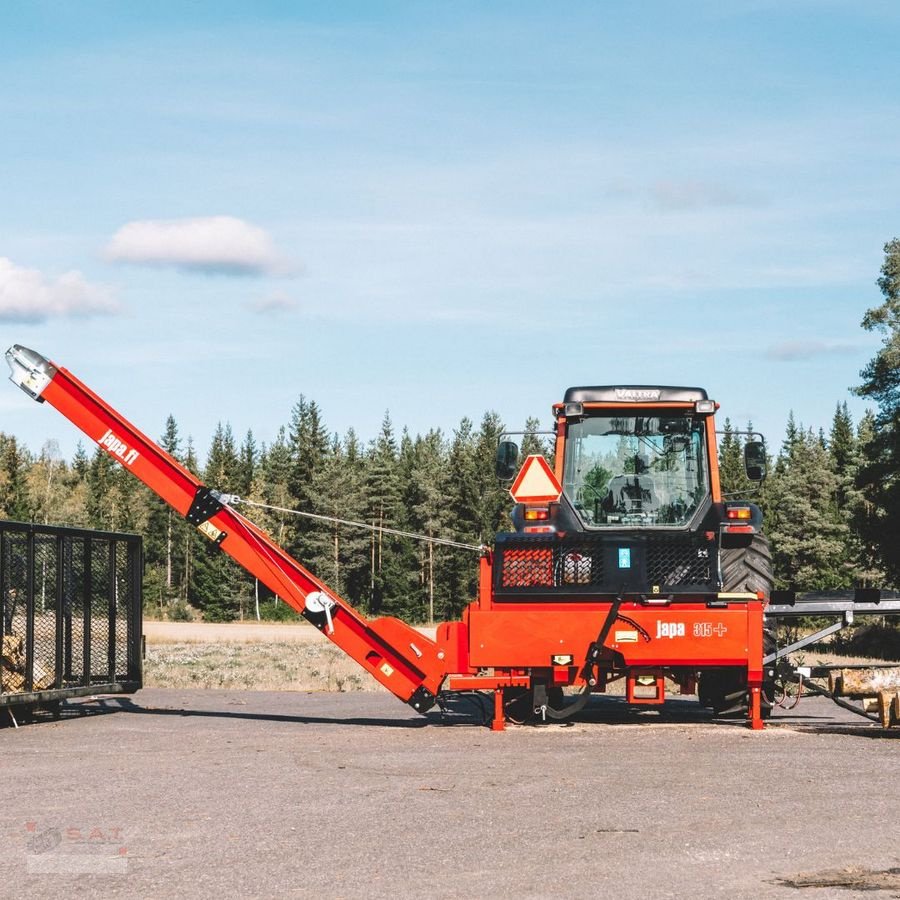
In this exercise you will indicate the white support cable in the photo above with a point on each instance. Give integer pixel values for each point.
(478, 548)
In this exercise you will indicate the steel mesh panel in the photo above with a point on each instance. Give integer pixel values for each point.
(99, 609)
(124, 588)
(73, 611)
(69, 609)
(44, 572)
(672, 563)
(13, 585)
(526, 567)
(585, 564)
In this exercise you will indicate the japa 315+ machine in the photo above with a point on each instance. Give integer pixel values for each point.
(625, 564)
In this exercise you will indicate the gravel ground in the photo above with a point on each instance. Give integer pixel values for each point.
(256, 794)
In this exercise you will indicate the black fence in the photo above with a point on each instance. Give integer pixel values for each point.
(70, 611)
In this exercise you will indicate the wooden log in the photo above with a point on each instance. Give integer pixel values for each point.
(12, 651)
(13, 666)
(13, 682)
(863, 682)
(889, 708)
(42, 676)
(884, 709)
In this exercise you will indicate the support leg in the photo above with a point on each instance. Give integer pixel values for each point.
(499, 722)
(756, 722)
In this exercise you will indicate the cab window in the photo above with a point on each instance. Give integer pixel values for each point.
(636, 470)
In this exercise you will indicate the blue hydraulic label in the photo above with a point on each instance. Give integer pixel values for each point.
(624, 557)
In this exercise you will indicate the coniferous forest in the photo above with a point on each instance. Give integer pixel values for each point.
(831, 501)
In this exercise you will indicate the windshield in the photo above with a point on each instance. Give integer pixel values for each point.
(638, 470)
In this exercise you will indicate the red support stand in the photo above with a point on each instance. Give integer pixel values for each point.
(499, 722)
(756, 722)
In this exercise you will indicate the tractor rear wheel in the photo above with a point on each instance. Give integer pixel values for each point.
(725, 689)
(748, 568)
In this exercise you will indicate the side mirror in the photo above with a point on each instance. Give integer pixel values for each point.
(755, 460)
(507, 460)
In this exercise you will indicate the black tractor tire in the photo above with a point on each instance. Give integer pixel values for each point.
(724, 690)
(748, 568)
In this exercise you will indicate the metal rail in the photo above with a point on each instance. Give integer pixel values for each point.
(786, 605)
(862, 601)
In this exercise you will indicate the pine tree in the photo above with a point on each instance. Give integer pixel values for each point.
(382, 488)
(461, 487)
(270, 487)
(331, 497)
(355, 542)
(879, 477)
(534, 444)
(248, 459)
(425, 504)
(865, 517)
(805, 527)
(494, 501)
(308, 442)
(165, 536)
(14, 462)
(101, 501)
(842, 441)
(731, 464)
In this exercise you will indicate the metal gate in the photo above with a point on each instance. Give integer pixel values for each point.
(70, 610)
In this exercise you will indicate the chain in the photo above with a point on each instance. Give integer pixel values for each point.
(230, 499)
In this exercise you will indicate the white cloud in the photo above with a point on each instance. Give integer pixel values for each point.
(686, 196)
(26, 295)
(792, 351)
(222, 244)
(276, 302)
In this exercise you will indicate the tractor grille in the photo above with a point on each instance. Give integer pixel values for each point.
(679, 562)
(581, 565)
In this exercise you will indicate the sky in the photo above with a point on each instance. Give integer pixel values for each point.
(436, 209)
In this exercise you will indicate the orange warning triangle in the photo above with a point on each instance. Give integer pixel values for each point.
(535, 482)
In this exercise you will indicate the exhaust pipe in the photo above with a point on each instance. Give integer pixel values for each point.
(29, 370)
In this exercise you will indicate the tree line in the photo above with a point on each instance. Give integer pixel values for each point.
(831, 500)
(434, 485)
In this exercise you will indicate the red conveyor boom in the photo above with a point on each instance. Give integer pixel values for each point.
(402, 659)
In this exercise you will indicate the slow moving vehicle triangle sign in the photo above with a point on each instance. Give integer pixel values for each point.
(535, 482)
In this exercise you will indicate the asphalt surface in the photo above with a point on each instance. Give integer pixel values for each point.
(239, 794)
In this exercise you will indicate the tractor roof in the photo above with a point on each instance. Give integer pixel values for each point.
(634, 393)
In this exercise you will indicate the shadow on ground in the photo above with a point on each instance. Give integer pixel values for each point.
(462, 709)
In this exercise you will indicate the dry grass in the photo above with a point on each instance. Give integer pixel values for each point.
(250, 656)
(316, 665)
(228, 632)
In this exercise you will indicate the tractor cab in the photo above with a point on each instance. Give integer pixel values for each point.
(638, 484)
(635, 470)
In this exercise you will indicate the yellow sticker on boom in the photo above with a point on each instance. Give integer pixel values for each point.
(207, 529)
